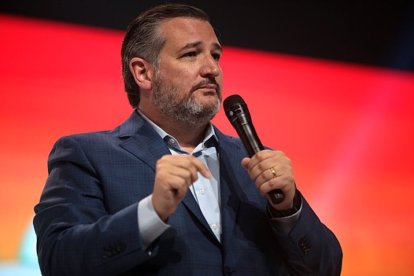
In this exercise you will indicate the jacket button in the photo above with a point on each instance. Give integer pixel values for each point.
(114, 249)
(305, 245)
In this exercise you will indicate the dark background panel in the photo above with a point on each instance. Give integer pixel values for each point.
(379, 33)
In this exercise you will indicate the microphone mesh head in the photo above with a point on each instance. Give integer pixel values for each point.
(236, 109)
(232, 100)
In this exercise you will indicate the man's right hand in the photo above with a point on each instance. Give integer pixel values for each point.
(173, 176)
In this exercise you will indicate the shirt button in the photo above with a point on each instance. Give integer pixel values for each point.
(214, 226)
(202, 191)
(172, 143)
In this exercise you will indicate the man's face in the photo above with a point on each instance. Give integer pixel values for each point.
(188, 79)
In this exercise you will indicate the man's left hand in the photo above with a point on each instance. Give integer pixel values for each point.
(272, 170)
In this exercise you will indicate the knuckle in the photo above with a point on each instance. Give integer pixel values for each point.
(261, 167)
(281, 153)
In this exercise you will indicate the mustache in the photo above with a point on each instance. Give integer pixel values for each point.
(207, 82)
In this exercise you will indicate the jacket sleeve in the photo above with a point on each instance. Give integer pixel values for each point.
(310, 248)
(76, 235)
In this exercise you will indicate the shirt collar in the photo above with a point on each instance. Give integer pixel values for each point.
(210, 138)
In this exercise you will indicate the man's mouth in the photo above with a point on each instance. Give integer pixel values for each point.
(210, 87)
(207, 87)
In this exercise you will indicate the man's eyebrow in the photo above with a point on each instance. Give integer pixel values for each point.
(216, 46)
(191, 45)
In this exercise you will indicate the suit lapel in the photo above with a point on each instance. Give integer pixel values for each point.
(194, 209)
(140, 139)
(231, 193)
(230, 196)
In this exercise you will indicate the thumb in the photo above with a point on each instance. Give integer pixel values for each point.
(245, 162)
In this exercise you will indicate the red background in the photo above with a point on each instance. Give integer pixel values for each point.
(348, 130)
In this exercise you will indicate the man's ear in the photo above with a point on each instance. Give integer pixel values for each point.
(142, 72)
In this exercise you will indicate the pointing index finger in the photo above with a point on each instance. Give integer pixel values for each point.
(201, 167)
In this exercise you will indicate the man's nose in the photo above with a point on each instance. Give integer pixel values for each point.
(210, 67)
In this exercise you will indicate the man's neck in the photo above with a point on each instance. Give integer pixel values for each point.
(187, 135)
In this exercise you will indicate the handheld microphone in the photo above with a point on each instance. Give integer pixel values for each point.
(238, 114)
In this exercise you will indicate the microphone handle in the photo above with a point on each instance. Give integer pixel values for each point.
(252, 143)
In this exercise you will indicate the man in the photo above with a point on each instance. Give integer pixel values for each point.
(166, 193)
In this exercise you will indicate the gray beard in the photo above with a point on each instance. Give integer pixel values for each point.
(167, 99)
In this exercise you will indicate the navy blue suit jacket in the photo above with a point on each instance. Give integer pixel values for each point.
(86, 220)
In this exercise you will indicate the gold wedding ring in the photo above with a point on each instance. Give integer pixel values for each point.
(273, 171)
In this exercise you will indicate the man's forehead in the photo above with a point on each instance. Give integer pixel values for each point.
(186, 28)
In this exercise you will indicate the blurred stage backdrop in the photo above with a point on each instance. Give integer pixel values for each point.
(331, 84)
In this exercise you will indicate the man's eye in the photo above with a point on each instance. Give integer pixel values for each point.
(216, 56)
(190, 54)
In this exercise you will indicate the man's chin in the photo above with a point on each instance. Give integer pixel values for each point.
(209, 100)
(203, 117)
(208, 93)
(211, 110)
